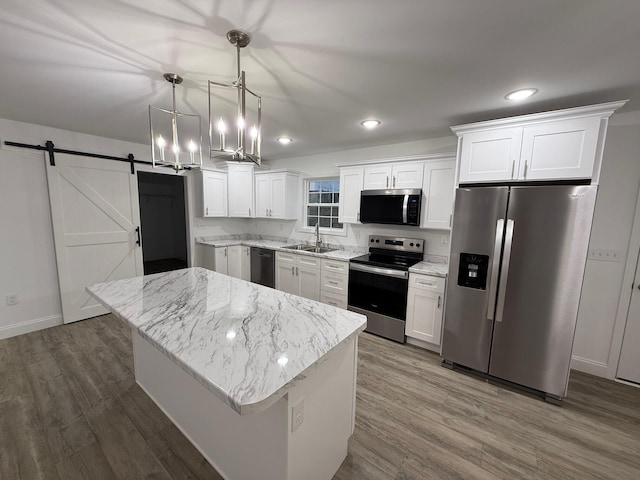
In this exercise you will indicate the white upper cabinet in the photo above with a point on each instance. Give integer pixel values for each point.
(490, 156)
(561, 149)
(559, 145)
(387, 175)
(240, 184)
(214, 194)
(351, 182)
(277, 195)
(437, 194)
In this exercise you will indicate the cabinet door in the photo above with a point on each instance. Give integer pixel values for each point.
(240, 184)
(437, 194)
(233, 260)
(560, 149)
(490, 156)
(214, 194)
(309, 282)
(262, 196)
(377, 177)
(245, 263)
(277, 195)
(350, 187)
(221, 260)
(286, 279)
(424, 315)
(407, 175)
(207, 254)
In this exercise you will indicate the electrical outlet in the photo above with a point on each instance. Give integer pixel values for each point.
(12, 299)
(297, 415)
(606, 255)
(444, 240)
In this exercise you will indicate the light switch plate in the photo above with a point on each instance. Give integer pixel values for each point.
(297, 415)
(11, 299)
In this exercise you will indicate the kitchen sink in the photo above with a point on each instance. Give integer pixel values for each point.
(309, 248)
(297, 247)
(319, 249)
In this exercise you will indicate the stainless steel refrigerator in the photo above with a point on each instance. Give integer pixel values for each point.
(518, 257)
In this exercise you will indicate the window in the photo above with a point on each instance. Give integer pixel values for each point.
(321, 204)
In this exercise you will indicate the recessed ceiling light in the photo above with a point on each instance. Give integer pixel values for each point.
(521, 94)
(369, 124)
(285, 140)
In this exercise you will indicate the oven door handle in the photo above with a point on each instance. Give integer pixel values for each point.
(388, 272)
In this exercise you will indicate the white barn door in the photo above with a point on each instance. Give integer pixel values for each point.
(95, 214)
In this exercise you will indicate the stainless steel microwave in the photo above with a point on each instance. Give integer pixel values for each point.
(391, 206)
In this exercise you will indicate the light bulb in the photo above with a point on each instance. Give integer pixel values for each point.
(176, 148)
(369, 124)
(192, 146)
(284, 140)
(254, 132)
(161, 142)
(221, 126)
(521, 94)
(240, 123)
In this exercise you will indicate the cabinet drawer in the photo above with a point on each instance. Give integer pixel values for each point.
(335, 266)
(426, 282)
(284, 257)
(308, 261)
(334, 299)
(335, 282)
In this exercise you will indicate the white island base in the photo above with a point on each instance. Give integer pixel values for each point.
(261, 445)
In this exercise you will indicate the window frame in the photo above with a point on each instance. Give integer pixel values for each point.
(305, 203)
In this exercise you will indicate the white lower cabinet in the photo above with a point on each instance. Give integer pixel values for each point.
(234, 261)
(298, 274)
(334, 282)
(425, 302)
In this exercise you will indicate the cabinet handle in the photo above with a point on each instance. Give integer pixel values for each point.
(426, 284)
(297, 274)
(247, 251)
(138, 242)
(387, 184)
(332, 283)
(225, 252)
(394, 181)
(270, 213)
(293, 271)
(439, 300)
(249, 212)
(207, 211)
(513, 168)
(358, 216)
(266, 212)
(450, 219)
(525, 168)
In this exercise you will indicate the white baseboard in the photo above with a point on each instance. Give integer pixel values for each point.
(30, 326)
(599, 369)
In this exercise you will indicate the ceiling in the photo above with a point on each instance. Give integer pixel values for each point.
(321, 66)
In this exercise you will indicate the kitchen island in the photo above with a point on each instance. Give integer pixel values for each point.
(261, 382)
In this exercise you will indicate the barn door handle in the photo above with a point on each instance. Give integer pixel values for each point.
(138, 236)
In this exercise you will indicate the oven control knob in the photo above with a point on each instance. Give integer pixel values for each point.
(372, 240)
(411, 244)
(418, 245)
(377, 241)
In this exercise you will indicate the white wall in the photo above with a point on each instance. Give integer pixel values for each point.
(612, 223)
(323, 165)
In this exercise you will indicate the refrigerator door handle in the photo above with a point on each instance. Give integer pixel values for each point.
(502, 290)
(495, 268)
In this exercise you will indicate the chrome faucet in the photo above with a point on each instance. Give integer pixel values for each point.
(318, 239)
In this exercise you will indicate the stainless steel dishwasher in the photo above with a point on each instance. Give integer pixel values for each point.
(263, 266)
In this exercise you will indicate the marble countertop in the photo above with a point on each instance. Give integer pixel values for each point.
(339, 254)
(246, 343)
(431, 268)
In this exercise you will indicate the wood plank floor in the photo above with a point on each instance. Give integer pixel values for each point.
(70, 409)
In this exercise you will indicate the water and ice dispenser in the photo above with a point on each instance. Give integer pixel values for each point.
(472, 272)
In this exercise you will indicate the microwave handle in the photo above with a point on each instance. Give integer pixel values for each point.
(405, 205)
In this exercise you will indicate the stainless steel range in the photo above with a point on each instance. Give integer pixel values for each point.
(378, 283)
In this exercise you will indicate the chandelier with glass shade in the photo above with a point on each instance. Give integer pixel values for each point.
(235, 122)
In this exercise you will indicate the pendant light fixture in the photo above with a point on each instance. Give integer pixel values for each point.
(176, 138)
(235, 120)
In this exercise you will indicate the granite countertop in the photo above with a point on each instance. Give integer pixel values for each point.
(339, 254)
(244, 342)
(431, 268)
